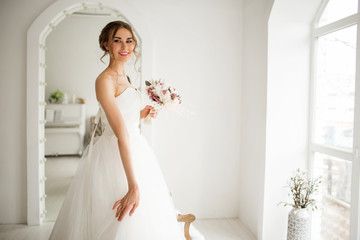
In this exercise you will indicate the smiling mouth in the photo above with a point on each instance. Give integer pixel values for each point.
(124, 53)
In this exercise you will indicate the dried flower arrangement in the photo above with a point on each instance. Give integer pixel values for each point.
(302, 190)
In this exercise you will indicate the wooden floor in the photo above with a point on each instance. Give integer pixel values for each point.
(223, 229)
(212, 229)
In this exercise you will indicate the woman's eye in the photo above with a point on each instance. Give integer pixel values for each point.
(118, 41)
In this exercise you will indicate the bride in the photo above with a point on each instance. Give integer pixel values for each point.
(118, 191)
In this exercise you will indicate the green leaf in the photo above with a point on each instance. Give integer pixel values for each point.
(56, 95)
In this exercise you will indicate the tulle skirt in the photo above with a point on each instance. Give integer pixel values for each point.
(100, 181)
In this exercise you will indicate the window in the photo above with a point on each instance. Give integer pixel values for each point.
(335, 119)
(336, 10)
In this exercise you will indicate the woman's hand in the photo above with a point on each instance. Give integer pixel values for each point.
(129, 201)
(148, 110)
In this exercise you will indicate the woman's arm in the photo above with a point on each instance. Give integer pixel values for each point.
(105, 92)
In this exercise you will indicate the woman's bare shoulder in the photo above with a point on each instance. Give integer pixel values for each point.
(104, 84)
(104, 77)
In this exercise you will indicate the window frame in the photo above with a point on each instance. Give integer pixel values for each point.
(353, 155)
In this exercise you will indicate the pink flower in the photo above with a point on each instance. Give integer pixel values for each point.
(155, 97)
(161, 93)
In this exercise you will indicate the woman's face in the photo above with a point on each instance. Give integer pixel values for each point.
(122, 45)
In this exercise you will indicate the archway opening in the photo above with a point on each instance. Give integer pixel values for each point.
(38, 32)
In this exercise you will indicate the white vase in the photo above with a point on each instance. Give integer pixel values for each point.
(298, 224)
(65, 99)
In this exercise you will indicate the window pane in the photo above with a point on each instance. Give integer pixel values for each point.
(338, 9)
(335, 89)
(334, 217)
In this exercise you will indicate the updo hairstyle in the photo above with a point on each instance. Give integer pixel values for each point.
(108, 33)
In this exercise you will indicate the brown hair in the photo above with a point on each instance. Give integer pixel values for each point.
(109, 31)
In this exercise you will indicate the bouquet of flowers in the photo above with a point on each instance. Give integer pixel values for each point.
(161, 95)
(303, 190)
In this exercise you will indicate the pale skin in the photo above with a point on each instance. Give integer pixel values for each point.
(110, 84)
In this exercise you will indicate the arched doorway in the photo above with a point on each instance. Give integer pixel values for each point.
(36, 36)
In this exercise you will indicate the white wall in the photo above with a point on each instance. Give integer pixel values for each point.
(15, 19)
(274, 113)
(200, 54)
(253, 113)
(287, 106)
(197, 49)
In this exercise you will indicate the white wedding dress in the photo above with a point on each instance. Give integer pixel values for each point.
(100, 181)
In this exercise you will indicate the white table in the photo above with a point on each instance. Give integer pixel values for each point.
(64, 129)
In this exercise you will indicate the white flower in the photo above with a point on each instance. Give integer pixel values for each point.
(166, 98)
